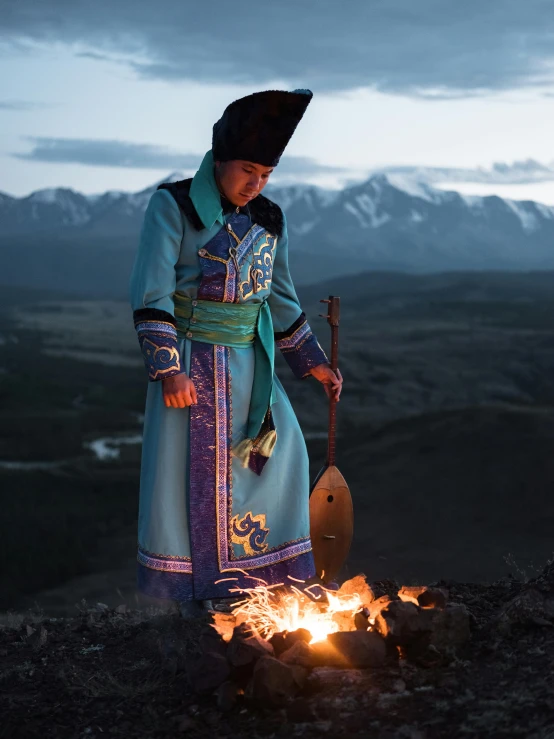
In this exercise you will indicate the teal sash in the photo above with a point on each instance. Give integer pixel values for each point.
(236, 325)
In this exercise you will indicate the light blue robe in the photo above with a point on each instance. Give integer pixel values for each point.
(206, 523)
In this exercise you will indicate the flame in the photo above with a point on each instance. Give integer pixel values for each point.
(269, 609)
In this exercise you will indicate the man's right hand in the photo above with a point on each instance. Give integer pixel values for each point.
(178, 391)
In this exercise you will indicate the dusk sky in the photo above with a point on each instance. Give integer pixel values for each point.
(115, 95)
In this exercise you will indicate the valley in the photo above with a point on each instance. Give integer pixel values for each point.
(445, 432)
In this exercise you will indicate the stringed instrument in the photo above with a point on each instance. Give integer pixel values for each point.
(331, 509)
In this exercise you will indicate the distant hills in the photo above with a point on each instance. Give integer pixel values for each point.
(64, 240)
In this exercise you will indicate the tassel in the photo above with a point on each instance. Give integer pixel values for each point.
(265, 447)
(242, 451)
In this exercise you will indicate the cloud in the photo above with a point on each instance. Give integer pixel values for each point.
(431, 49)
(517, 173)
(107, 153)
(24, 105)
(114, 153)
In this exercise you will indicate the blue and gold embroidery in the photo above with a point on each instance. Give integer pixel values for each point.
(159, 359)
(260, 271)
(250, 532)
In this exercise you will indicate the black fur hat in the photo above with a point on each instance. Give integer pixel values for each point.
(258, 127)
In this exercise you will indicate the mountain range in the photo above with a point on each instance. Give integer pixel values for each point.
(85, 244)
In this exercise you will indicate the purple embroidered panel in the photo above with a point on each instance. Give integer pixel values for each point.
(159, 584)
(215, 258)
(211, 484)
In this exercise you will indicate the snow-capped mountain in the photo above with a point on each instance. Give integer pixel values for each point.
(391, 221)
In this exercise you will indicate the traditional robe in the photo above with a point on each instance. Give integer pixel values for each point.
(207, 523)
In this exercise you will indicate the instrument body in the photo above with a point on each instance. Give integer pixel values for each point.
(331, 509)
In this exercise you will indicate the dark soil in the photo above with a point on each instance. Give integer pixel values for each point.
(104, 673)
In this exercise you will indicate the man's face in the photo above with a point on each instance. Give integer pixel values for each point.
(241, 181)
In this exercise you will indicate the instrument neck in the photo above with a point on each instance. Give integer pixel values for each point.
(331, 443)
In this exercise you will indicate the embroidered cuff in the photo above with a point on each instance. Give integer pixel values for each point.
(300, 347)
(157, 337)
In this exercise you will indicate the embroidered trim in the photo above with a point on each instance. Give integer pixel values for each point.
(164, 563)
(231, 281)
(223, 481)
(160, 329)
(293, 341)
(260, 271)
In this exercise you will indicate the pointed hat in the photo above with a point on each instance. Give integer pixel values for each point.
(258, 127)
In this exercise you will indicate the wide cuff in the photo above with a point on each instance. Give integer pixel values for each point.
(300, 347)
(157, 335)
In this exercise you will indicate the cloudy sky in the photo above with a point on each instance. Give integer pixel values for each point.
(114, 94)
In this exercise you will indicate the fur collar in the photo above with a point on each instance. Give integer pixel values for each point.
(262, 210)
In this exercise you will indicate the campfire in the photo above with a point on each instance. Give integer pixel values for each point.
(270, 610)
(275, 636)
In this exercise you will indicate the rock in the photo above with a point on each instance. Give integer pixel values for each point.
(549, 607)
(344, 620)
(300, 675)
(284, 640)
(410, 594)
(38, 638)
(359, 649)
(246, 648)
(300, 712)
(273, 682)
(122, 609)
(433, 598)
(208, 672)
(211, 641)
(424, 654)
(278, 642)
(227, 695)
(450, 627)
(299, 635)
(325, 655)
(378, 605)
(299, 654)
(402, 623)
(361, 619)
(360, 586)
(224, 624)
(524, 608)
(423, 596)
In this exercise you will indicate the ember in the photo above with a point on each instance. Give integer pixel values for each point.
(270, 610)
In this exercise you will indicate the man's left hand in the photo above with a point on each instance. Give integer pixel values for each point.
(332, 383)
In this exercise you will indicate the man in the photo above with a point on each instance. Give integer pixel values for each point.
(224, 476)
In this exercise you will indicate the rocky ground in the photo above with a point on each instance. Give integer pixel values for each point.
(131, 674)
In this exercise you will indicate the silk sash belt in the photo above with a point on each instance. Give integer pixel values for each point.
(237, 325)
